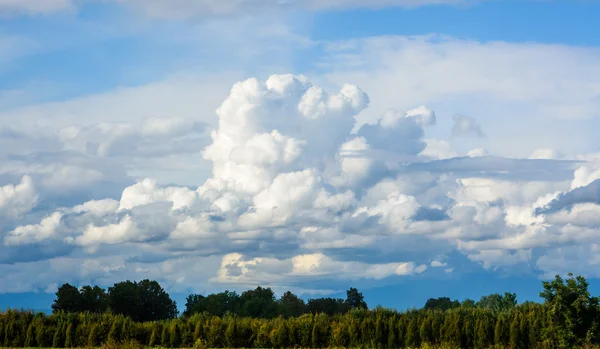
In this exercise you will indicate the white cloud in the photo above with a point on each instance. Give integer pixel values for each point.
(16, 200)
(478, 152)
(235, 268)
(34, 233)
(546, 153)
(496, 258)
(438, 264)
(438, 149)
(294, 196)
(509, 87)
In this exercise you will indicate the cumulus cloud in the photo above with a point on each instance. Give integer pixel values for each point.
(235, 268)
(296, 197)
(485, 80)
(15, 200)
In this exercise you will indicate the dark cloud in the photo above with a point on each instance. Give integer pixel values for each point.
(588, 194)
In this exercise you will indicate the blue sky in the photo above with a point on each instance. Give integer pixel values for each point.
(116, 163)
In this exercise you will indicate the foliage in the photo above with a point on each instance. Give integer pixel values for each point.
(567, 319)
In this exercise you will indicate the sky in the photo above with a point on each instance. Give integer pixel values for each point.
(409, 148)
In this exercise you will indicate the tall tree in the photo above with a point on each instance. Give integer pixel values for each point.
(355, 299)
(573, 311)
(93, 299)
(143, 301)
(497, 302)
(259, 303)
(291, 305)
(328, 306)
(68, 299)
(193, 304)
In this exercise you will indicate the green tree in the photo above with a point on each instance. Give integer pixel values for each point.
(175, 335)
(573, 312)
(68, 299)
(468, 304)
(143, 301)
(70, 336)
(355, 299)
(441, 303)
(93, 299)
(259, 303)
(59, 336)
(329, 306)
(291, 305)
(497, 302)
(30, 338)
(232, 335)
(193, 304)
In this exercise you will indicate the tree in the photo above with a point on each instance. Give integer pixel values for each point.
(355, 299)
(219, 304)
(93, 299)
(193, 304)
(328, 306)
(68, 299)
(497, 302)
(259, 303)
(573, 312)
(291, 305)
(143, 301)
(441, 303)
(468, 303)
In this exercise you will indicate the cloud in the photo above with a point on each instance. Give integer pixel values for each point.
(465, 126)
(546, 153)
(300, 194)
(486, 79)
(16, 200)
(208, 8)
(580, 195)
(33, 7)
(237, 269)
(478, 152)
(34, 233)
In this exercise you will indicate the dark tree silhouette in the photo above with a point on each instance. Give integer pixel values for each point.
(355, 299)
(143, 301)
(291, 305)
(68, 299)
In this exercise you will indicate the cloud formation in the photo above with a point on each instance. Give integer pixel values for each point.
(294, 198)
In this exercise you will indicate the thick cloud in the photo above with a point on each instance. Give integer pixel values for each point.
(16, 200)
(294, 199)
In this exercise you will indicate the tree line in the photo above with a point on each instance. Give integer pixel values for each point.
(148, 301)
(568, 318)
